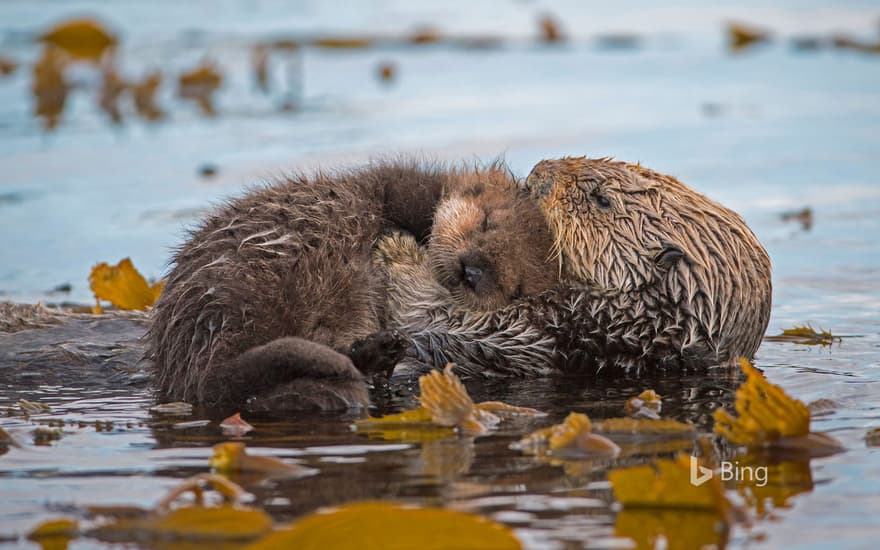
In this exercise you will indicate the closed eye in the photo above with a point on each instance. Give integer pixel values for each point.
(601, 200)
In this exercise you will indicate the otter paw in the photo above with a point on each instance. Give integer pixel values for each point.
(376, 355)
(396, 248)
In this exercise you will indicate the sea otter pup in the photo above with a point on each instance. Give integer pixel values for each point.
(656, 275)
(276, 294)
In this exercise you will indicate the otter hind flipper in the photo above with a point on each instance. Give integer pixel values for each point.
(292, 373)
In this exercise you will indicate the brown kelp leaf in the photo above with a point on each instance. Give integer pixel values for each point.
(667, 484)
(550, 31)
(199, 85)
(804, 335)
(123, 286)
(382, 525)
(84, 39)
(803, 216)
(387, 71)
(112, 88)
(445, 404)
(573, 438)
(144, 95)
(343, 43)
(768, 417)
(49, 86)
(61, 527)
(425, 35)
(872, 438)
(741, 36)
(234, 426)
(229, 521)
(766, 485)
(645, 426)
(645, 405)
(674, 529)
(232, 457)
(7, 65)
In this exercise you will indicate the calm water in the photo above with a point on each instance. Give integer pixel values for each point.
(768, 131)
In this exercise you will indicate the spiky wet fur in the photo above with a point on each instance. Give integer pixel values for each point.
(656, 275)
(270, 291)
(288, 259)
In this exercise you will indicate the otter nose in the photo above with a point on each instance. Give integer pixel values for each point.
(473, 275)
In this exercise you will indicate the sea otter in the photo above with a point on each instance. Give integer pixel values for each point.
(655, 275)
(276, 297)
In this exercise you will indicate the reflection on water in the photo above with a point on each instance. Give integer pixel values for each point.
(773, 131)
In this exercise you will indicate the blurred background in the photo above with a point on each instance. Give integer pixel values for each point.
(121, 121)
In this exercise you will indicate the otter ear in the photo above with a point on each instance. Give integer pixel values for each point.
(668, 255)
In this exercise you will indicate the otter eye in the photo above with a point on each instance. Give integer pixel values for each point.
(601, 200)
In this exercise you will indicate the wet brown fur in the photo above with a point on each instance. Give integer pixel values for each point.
(656, 275)
(275, 293)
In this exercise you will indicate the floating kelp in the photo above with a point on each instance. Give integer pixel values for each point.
(232, 457)
(645, 405)
(766, 483)
(645, 426)
(123, 286)
(381, 525)
(741, 36)
(7, 65)
(229, 521)
(50, 87)
(235, 426)
(671, 484)
(672, 528)
(804, 335)
(872, 438)
(573, 438)
(767, 417)
(143, 94)
(82, 39)
(445, 404)
(199, 85)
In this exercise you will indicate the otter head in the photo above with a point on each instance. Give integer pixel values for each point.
(622, 227)
(614, 227)
(489, 243)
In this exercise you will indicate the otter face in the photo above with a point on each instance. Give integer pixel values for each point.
(613, 227)
(490, 246)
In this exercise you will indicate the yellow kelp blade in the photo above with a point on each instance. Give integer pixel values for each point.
(383, 526)
(445, 404)
(644, 426)
(681, 529)
(573, 438)
(667, 484)
(84, 39)
(123, 286)
(767, 485)
(804, 335)
(232, 457)
(767, 417)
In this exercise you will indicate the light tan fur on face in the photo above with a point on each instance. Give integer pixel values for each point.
(486, 222)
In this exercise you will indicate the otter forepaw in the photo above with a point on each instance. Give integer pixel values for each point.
(376, 355)
(396, 248)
